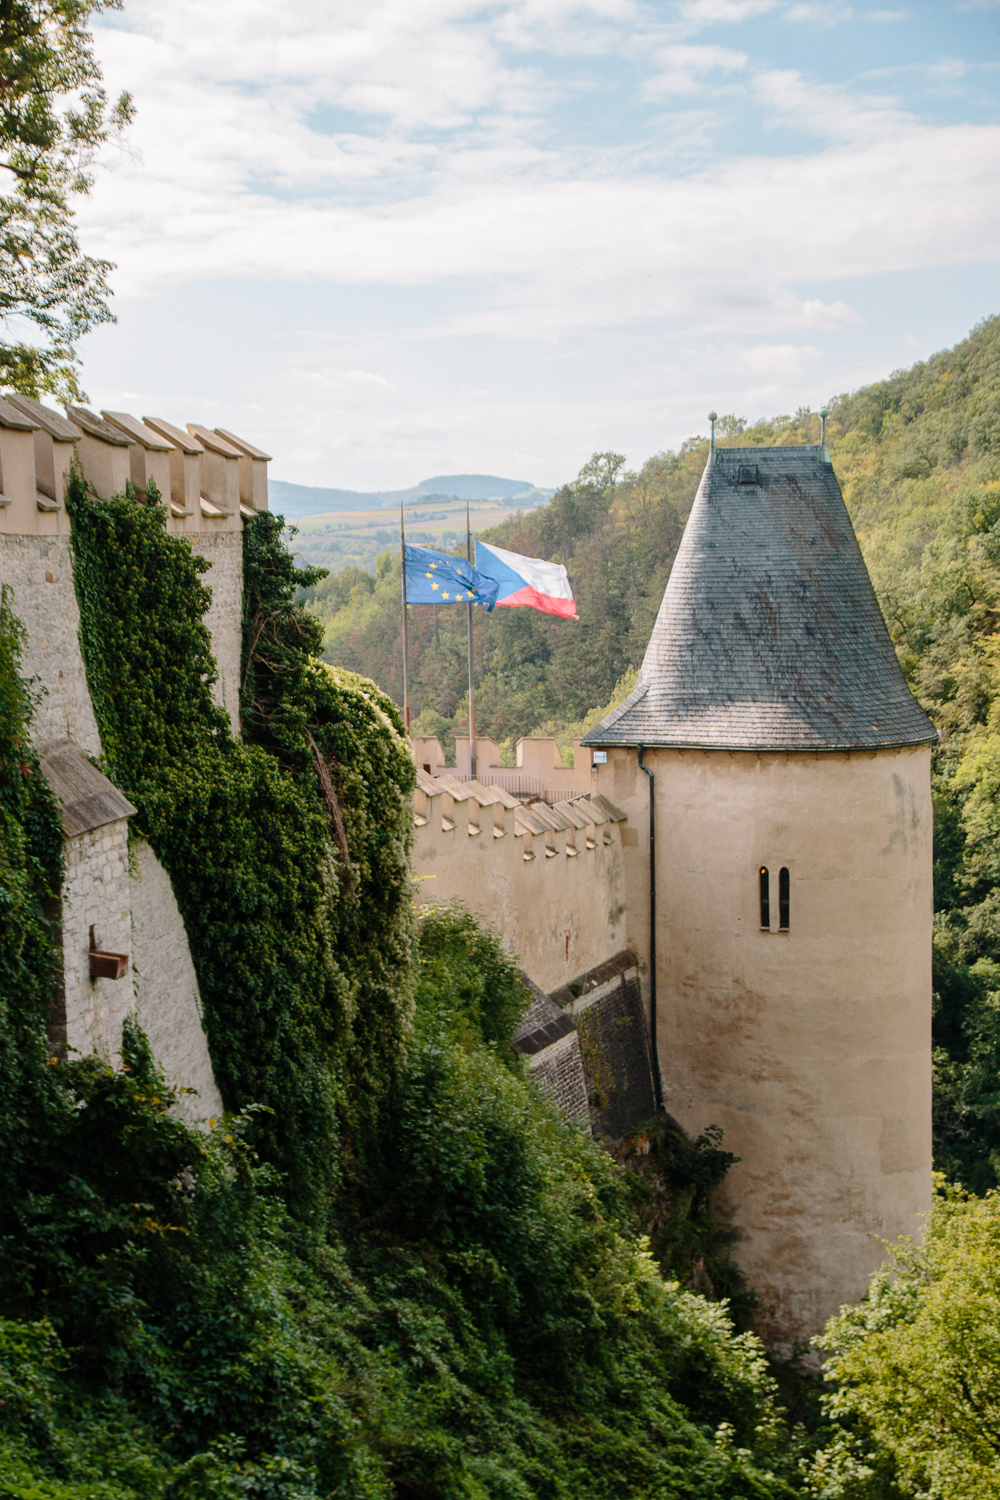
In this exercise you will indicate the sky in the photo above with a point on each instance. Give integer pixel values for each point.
(417, 237)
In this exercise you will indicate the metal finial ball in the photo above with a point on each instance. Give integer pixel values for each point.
(713, 416)
(824, 411)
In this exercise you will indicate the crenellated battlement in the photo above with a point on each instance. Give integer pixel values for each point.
(208, 480)
(548, 876)
(208, 483)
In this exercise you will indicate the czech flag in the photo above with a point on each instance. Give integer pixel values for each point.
(527, 580)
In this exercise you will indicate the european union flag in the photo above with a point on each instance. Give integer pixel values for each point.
(433, 578)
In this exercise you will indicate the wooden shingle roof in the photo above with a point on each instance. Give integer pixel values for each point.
(88, 799)
(769, 636)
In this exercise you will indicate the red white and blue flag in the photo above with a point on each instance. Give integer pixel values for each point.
(527, 580)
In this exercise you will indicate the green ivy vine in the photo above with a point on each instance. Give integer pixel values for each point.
(300, 938)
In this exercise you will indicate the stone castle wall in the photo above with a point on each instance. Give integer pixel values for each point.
(39, 572)
(167, 1001)
(96, 894)
(208, 485)
(810, 1047)
(224, 617)
(556, 898)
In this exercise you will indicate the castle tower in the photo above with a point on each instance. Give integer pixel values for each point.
(793, 895)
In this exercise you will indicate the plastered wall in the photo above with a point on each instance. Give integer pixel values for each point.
(39, 571)
(811, 1048)
(167, 1001)
(561, 913)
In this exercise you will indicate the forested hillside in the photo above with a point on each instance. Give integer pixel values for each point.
(918, 456)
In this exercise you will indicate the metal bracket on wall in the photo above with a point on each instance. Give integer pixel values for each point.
(106, 965)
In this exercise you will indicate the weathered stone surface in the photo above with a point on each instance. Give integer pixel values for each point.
(811, 1047)
(39, 572)
(167, 1001)
(558, 1072)
(224, 550)
(96, 894)
(555, 896)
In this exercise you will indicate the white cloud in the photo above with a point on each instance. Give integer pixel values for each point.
(723, 12)
(779, 361)
(827, 111)
(681, 69)
(828, 315)
(886, 15)
(818, 14)
(415, 151)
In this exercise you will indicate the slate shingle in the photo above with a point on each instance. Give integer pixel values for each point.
(769, 636)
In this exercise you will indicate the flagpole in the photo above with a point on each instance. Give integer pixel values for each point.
(472, 701)
(406, 639)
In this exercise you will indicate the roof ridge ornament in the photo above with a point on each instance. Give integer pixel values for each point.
(713, 417)
(823, 452)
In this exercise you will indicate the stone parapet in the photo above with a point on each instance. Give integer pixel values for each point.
(208, 482)
(549, 879)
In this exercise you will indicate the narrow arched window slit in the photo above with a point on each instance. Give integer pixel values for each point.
(783, 889)
(765, 899)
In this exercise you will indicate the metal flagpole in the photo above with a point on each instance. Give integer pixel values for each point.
(472, 701)
(406, 638)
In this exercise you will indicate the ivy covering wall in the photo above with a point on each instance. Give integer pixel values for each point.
(305, 1002)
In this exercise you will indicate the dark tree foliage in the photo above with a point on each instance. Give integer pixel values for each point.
(341, 741)
(54, 115)
(300, 970)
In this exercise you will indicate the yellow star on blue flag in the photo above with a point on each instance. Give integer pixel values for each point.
(436, 578)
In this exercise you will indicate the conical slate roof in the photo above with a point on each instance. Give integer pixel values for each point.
(769, 636)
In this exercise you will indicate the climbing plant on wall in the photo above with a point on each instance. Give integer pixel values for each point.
(31, 873)
(244, 833)
(341, 739)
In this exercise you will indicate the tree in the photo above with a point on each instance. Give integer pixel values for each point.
(54, 115)
(917, 1364)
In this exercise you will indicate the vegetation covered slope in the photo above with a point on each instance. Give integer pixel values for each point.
(391, 1270)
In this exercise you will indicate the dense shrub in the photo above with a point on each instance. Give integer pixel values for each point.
(917, 1366)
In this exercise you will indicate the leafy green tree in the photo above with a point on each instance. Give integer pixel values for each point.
(917, 1367)
(54, 115)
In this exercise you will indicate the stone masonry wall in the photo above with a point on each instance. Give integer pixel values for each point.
(614, 1047)
(224, 550)
(96, 894)
(166, 989)
(558, 1072)
(40, 574)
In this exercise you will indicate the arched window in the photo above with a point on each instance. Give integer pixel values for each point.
(765, 899)
(783, 884)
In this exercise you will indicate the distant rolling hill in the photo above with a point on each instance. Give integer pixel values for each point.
(307, 500)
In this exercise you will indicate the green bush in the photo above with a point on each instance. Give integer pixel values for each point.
(917, 1365)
